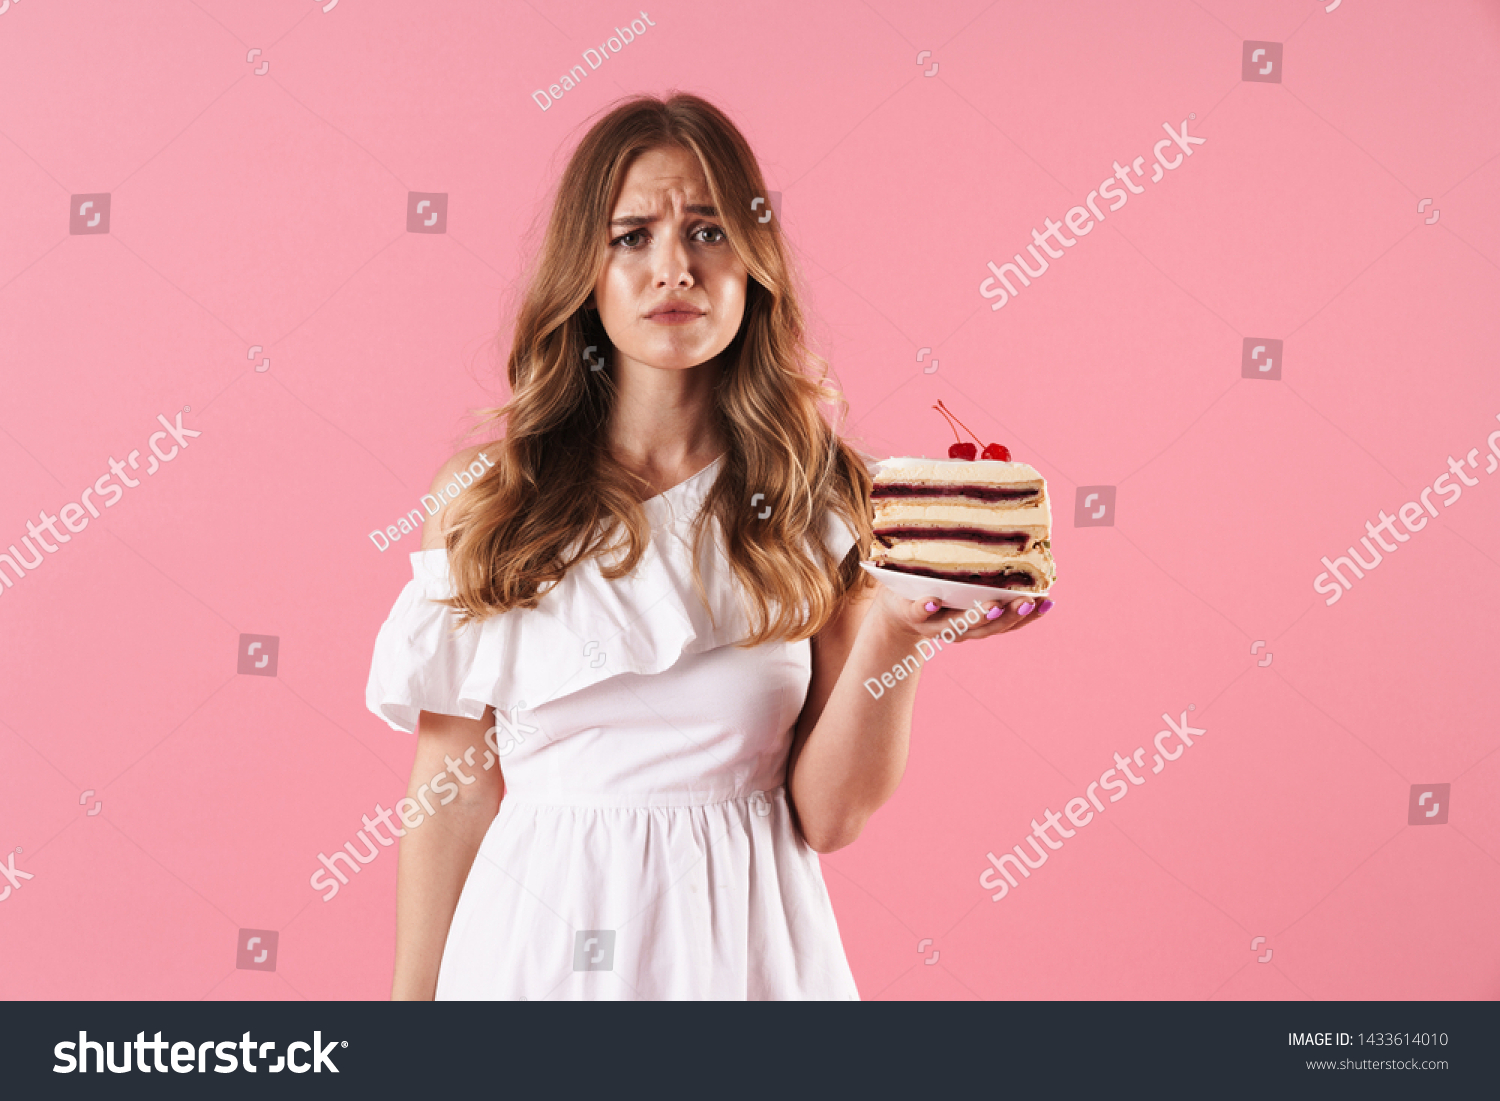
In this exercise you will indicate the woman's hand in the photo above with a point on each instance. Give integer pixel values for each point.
(926, 618)
(850, 743)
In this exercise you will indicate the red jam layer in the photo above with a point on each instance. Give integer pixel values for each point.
(974, 492)
(996, 579)
(967, 535)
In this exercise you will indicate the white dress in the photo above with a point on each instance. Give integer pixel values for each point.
(644, 848)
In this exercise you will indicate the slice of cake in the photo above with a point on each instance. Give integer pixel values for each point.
(978, 521)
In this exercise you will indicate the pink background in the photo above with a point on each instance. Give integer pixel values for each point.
(271, 210)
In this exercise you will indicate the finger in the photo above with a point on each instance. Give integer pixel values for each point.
(925, 609)
(991, 615)
(1031, 609)
(1016, 612)
(1003, 619)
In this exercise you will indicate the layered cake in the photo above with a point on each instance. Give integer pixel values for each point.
(984, 522)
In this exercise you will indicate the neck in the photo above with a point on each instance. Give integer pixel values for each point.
(662, 423)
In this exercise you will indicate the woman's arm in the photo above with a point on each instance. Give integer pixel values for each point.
(435, 857)
(437, 853)
(849, 748)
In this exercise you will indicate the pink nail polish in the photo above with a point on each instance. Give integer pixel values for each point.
(930, 606)
(1025, 609)
(994, 613)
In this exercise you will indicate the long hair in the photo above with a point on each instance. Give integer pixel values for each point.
(555, 495)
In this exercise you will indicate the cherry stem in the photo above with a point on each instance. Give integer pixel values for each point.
(944, 409)
(944, 413)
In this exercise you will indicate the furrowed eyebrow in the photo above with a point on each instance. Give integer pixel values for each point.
(642, 220)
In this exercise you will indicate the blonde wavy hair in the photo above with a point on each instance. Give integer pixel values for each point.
(555, 495)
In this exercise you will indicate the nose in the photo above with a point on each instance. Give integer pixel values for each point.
(674, 267)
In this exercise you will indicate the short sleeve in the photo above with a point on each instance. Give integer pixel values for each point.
(420, 661)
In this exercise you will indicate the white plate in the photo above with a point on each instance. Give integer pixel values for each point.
(953, 594)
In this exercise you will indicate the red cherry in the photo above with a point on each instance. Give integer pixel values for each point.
(959, 450)
(998, 452)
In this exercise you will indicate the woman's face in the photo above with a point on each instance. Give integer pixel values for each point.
(666, 247)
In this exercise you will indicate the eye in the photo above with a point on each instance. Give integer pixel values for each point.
(617, 241)
(715, 229)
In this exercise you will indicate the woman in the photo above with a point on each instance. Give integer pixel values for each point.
(634, 644)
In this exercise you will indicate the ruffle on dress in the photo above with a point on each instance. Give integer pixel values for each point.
(584, 630)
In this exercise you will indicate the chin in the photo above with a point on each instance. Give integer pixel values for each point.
(676, 359)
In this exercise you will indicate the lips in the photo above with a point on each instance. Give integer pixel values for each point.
(675, 311)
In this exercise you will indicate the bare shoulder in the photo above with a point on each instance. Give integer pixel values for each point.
(453, 477)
